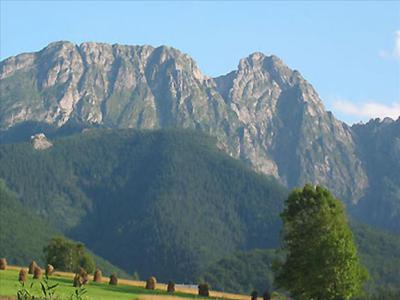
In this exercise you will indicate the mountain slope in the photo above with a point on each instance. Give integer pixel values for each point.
(165, 203)
(263, 113)
(23, 234)
(379, 145)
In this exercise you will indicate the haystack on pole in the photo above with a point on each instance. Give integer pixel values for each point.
(204, 289)
(23, 275)
(171, 287)
(84, 275)
(49, 270)
(32, 266)
(37, 273)
(254, 295)
(151, 283)
(266, 295)
(113, 279)
(3, 263)
(77, 281)
(98, 276)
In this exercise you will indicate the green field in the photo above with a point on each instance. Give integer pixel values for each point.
(9, 286)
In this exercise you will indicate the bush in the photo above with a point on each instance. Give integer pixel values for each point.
(68, 256)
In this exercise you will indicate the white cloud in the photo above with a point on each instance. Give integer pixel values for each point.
(395, 53)
(396, 50)
(370, 109)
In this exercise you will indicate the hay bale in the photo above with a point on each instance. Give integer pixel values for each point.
(49, 270)
(113, 279)
(266, 295)
(23, 275)
(171, 287)
(32, 266)
(84, 275)
(254, 295)
(151, 283)
(97, 277)
(77, 281)
(3, 263)
(204, 290)
(37, 273)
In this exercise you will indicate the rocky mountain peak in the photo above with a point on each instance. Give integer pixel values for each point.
(263, 113)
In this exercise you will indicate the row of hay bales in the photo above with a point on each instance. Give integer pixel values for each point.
(81, 277)
(151, 282)
(33, 269)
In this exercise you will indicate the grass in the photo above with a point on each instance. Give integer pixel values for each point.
(127, 290)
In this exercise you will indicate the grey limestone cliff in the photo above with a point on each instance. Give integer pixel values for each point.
(264, 113)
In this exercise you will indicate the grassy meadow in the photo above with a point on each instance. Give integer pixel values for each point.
(125, 290)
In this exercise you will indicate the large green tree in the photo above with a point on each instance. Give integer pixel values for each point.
(322, 261)
(65, 255)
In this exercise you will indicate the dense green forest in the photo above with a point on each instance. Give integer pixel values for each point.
(23, 235)
(252, 270)
(166, 203)
(243, 272)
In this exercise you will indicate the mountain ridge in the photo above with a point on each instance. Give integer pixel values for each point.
(262, 113)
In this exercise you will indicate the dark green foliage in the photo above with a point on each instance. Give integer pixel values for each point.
(79, 293)
(162, 200)
(68, 256)
(25, 291)
(48, 288)
(22, 233)
(382, 294)
(379, 252)
(242, 272)
(167, 197)
(321, 258)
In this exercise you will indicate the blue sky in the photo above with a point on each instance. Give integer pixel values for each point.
(349, 51)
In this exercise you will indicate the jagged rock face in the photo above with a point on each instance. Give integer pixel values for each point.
(285, 130)
(263, 113)
(378, 143)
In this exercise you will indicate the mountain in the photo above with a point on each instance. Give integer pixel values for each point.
(163, 203)
(263, 113)
(379, 145)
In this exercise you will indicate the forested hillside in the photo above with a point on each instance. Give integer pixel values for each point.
(23, 234)
(263, 113)
(253, 270)
(164, 203)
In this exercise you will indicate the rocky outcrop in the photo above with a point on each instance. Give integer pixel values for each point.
(263, 113)
(40, 142)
